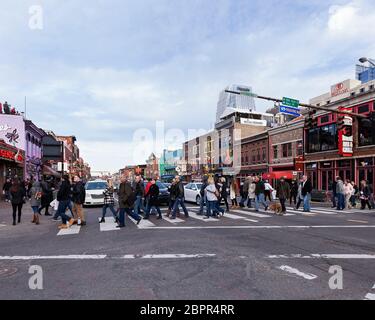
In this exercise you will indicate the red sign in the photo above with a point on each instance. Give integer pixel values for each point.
(346, 135)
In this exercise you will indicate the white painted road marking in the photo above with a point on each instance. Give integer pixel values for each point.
(322, 256)
(61, 257)
(252, 214)
(71, 230)
(109, 225)
(201, 218)
(104, 256)
(174, 221)
(307, 276)
(358, 221)
(370, 296)
(259, 227)
(2, 225)
(234, 217)
(168, 256)
(144, 224)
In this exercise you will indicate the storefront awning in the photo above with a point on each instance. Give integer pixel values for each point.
(48, 171)
(290, 175)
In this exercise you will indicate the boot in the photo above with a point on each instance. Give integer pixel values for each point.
(36, 219)
(14, 222)
(19, 219)
(33, 221)
(102, 221)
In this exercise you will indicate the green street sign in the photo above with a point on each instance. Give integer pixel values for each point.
(249, 94)
(290, 102)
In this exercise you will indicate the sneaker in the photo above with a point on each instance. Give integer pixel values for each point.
(158, 218)
(102, 220)
(139, 221)
(120, 226)
(206, 217)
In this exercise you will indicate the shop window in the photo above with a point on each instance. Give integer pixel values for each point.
(364, 109)
(366, 132)
(322, 139)
(325, 119)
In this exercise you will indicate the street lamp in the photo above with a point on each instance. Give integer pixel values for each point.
(364, 60)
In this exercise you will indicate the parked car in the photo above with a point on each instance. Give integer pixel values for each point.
(192, 192)
(94, 192)
(163, 192)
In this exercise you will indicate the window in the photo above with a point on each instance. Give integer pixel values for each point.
(322, 139)
(287, 150)
(364, 109)
(325, 119)
(300, 148)
(275, 152)
(264, 155)
(258, 155)
(366, 134)
(362, 90)
(371, 87)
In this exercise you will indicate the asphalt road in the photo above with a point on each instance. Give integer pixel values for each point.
(242, 256)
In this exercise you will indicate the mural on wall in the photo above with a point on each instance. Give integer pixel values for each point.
(12, 130)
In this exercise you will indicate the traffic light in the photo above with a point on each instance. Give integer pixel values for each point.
(311, 122)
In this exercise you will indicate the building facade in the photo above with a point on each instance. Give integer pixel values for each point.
(34, 151)
(325, 156)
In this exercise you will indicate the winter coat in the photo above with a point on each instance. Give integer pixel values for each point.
(348, 189)
(124, 194)
(139, 189)
(7, 186)
(79, 193)
(18, 197)
(283, 190)
(259, 188)
(224, 190)
(180, 191)
(340, 187)
(211, 193)
(294, 189)
(173, 192)
(64, 192)
(47, 194)
(306, 187)
(36, 195)
(108, 197)
(233, 190)
(252, 190)
(154, 195)
(246, 185)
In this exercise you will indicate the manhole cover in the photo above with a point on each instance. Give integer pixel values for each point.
(7, 271)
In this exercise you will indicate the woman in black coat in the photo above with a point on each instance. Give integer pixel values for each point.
(18, 194)
(153, 194)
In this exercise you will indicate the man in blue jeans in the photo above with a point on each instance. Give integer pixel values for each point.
(259, 194)
(180, 199)
(306, 193)
(139, 190)
(203, 196)
(340, 192)
(63, 196)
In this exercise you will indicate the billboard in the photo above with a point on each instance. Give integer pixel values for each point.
(12, 130)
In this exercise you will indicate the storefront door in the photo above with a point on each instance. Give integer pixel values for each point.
(327, 180)
(367, 174)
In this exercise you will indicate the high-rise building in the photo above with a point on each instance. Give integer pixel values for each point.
(231, 100)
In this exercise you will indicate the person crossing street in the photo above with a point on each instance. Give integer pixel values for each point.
(109, 202)
(180, 198)
(78, 197)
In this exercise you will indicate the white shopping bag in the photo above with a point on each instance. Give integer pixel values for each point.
(54, 204)
(274, 195)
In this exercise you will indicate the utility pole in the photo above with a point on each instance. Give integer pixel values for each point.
(352, 114)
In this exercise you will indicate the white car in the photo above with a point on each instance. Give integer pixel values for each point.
(94, 192)
(193, 192)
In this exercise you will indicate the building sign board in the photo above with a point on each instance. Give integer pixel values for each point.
(12, 130)
(254, 122)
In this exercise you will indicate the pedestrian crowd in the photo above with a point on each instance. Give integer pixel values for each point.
(140, 199)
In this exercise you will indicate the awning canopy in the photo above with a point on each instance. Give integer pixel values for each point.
(48, 171)
(290, 175)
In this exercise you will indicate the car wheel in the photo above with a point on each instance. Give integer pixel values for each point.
(198, 200)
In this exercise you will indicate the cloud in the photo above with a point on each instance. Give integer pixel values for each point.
(104, 70)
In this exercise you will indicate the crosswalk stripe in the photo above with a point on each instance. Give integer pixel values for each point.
(72, 230)
(109, 225)
(144, 224)
(234, 217)
(317, 210)
(174, 221)
(252, 214)
(201, 218)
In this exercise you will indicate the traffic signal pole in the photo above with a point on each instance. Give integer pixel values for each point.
(352, 114)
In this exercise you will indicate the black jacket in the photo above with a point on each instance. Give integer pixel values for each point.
(7, 186)
(139, 189)
(125, 195)
(180, 191)
(259, 189)
(79, 193)
(173, 191)
(64, 191)
(154, 195)
(17, 197)
(307, 188)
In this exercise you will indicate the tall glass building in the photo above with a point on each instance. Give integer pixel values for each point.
(231, 100)
(364, 73)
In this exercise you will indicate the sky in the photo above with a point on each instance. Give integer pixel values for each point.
(131, 77)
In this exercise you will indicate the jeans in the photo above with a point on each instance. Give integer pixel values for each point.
(129, 212)
(259, 199)
(63, 205)
(202, 204)
(180, 201)
(225, 202)
(243, 199)
(340, 201)
(149, 207)
(110, 207)
(300, 200)
(138, 206)
(211, 207)
(334, 198)
(306, 202)
(17, 207)
(35, 209)
(218, 208)
(267, 194)
(283, 207)
(353, 201)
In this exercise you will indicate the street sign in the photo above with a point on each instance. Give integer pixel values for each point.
(291, 102)
(290, 111)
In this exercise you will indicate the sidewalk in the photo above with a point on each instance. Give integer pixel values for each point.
(6, 212)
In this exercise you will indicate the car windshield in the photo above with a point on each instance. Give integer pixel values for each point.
(199, 186)
(96, 185)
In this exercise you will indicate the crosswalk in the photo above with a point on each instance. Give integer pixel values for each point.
(242, 215)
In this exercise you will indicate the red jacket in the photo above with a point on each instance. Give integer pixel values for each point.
(147, 188)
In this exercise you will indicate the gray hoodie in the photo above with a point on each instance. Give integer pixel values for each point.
(340, 187)
(36, 188)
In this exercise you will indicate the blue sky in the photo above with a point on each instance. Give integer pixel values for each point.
(103, 69)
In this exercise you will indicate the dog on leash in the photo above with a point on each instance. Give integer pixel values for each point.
(276, 207)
